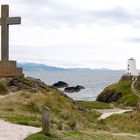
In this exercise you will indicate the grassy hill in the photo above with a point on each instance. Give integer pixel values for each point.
(26, 108)
(70, 120)
(120, 93)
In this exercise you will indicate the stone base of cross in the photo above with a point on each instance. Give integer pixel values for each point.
(9, 69)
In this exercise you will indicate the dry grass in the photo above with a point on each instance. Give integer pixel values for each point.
(3, 88)
(67, 122)
(26, 108)
(127, 122)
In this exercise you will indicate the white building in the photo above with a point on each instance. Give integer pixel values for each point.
(131, 67)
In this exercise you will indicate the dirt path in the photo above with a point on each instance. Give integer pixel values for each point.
(108, 112)
(7, 95)
(3, 96)
(10, 131)
(134, 90)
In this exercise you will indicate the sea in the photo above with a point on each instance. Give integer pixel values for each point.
(94, 81)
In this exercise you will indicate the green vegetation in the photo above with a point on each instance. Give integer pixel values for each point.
(124, 89)
(26, 108)
(41, 136)
(67, 122)
(94, 105)
(128, 98)
(127, 122)
(137, 86)
(3, 88)
(25, 80)
(83, 135)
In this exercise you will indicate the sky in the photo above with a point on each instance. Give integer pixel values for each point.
(76, 33)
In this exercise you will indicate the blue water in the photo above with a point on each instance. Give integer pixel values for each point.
(93, 81)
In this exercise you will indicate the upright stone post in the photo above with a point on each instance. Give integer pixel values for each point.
(138, 107)
(46, 120)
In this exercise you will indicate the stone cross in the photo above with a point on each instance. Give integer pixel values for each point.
(5, 21)
(8, 68)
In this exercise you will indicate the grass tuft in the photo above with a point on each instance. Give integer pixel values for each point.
(3, 88)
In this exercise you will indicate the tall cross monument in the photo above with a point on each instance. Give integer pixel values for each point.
(7, 68)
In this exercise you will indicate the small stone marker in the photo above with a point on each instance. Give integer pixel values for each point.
(7, 68)
(46, 120)
(138, 107)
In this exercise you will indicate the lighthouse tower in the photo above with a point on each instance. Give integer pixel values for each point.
(131, 67)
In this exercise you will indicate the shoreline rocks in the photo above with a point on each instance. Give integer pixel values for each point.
(73, 89)
(60, 84)
(67, 88)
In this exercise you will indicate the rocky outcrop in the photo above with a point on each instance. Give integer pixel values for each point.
(112, 93)
(73, 89)
(125, 92)
(21, 83)
(29, 84)
(68, 89)
(60, 84)
(109, 95)
(80, 87)
(126, 77)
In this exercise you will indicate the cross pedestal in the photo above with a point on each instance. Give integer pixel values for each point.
(7, 68)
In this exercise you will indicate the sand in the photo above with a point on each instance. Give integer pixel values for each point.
(10, 131)
(108, 112)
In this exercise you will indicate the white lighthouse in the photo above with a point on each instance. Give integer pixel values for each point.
(131, 67)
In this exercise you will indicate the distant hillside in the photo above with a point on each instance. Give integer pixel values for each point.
(41, 67)
(38, 67)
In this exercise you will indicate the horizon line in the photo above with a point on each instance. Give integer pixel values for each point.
(70, 67)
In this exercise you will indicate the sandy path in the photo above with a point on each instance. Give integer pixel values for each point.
(134, 90)
(2, 96)
(108, 112)
(7, 95)
(10, 131)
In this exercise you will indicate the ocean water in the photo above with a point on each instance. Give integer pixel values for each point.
(93, 81)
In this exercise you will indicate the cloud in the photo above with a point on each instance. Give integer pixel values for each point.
(117, 14)
(53, 13)
(59, 32)
(134, 40)
(40, 2)
(57, 12)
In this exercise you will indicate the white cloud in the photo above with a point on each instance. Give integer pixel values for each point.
(70, 33)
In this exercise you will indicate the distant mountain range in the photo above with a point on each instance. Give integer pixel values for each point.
(38, 67)
(43, 67)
